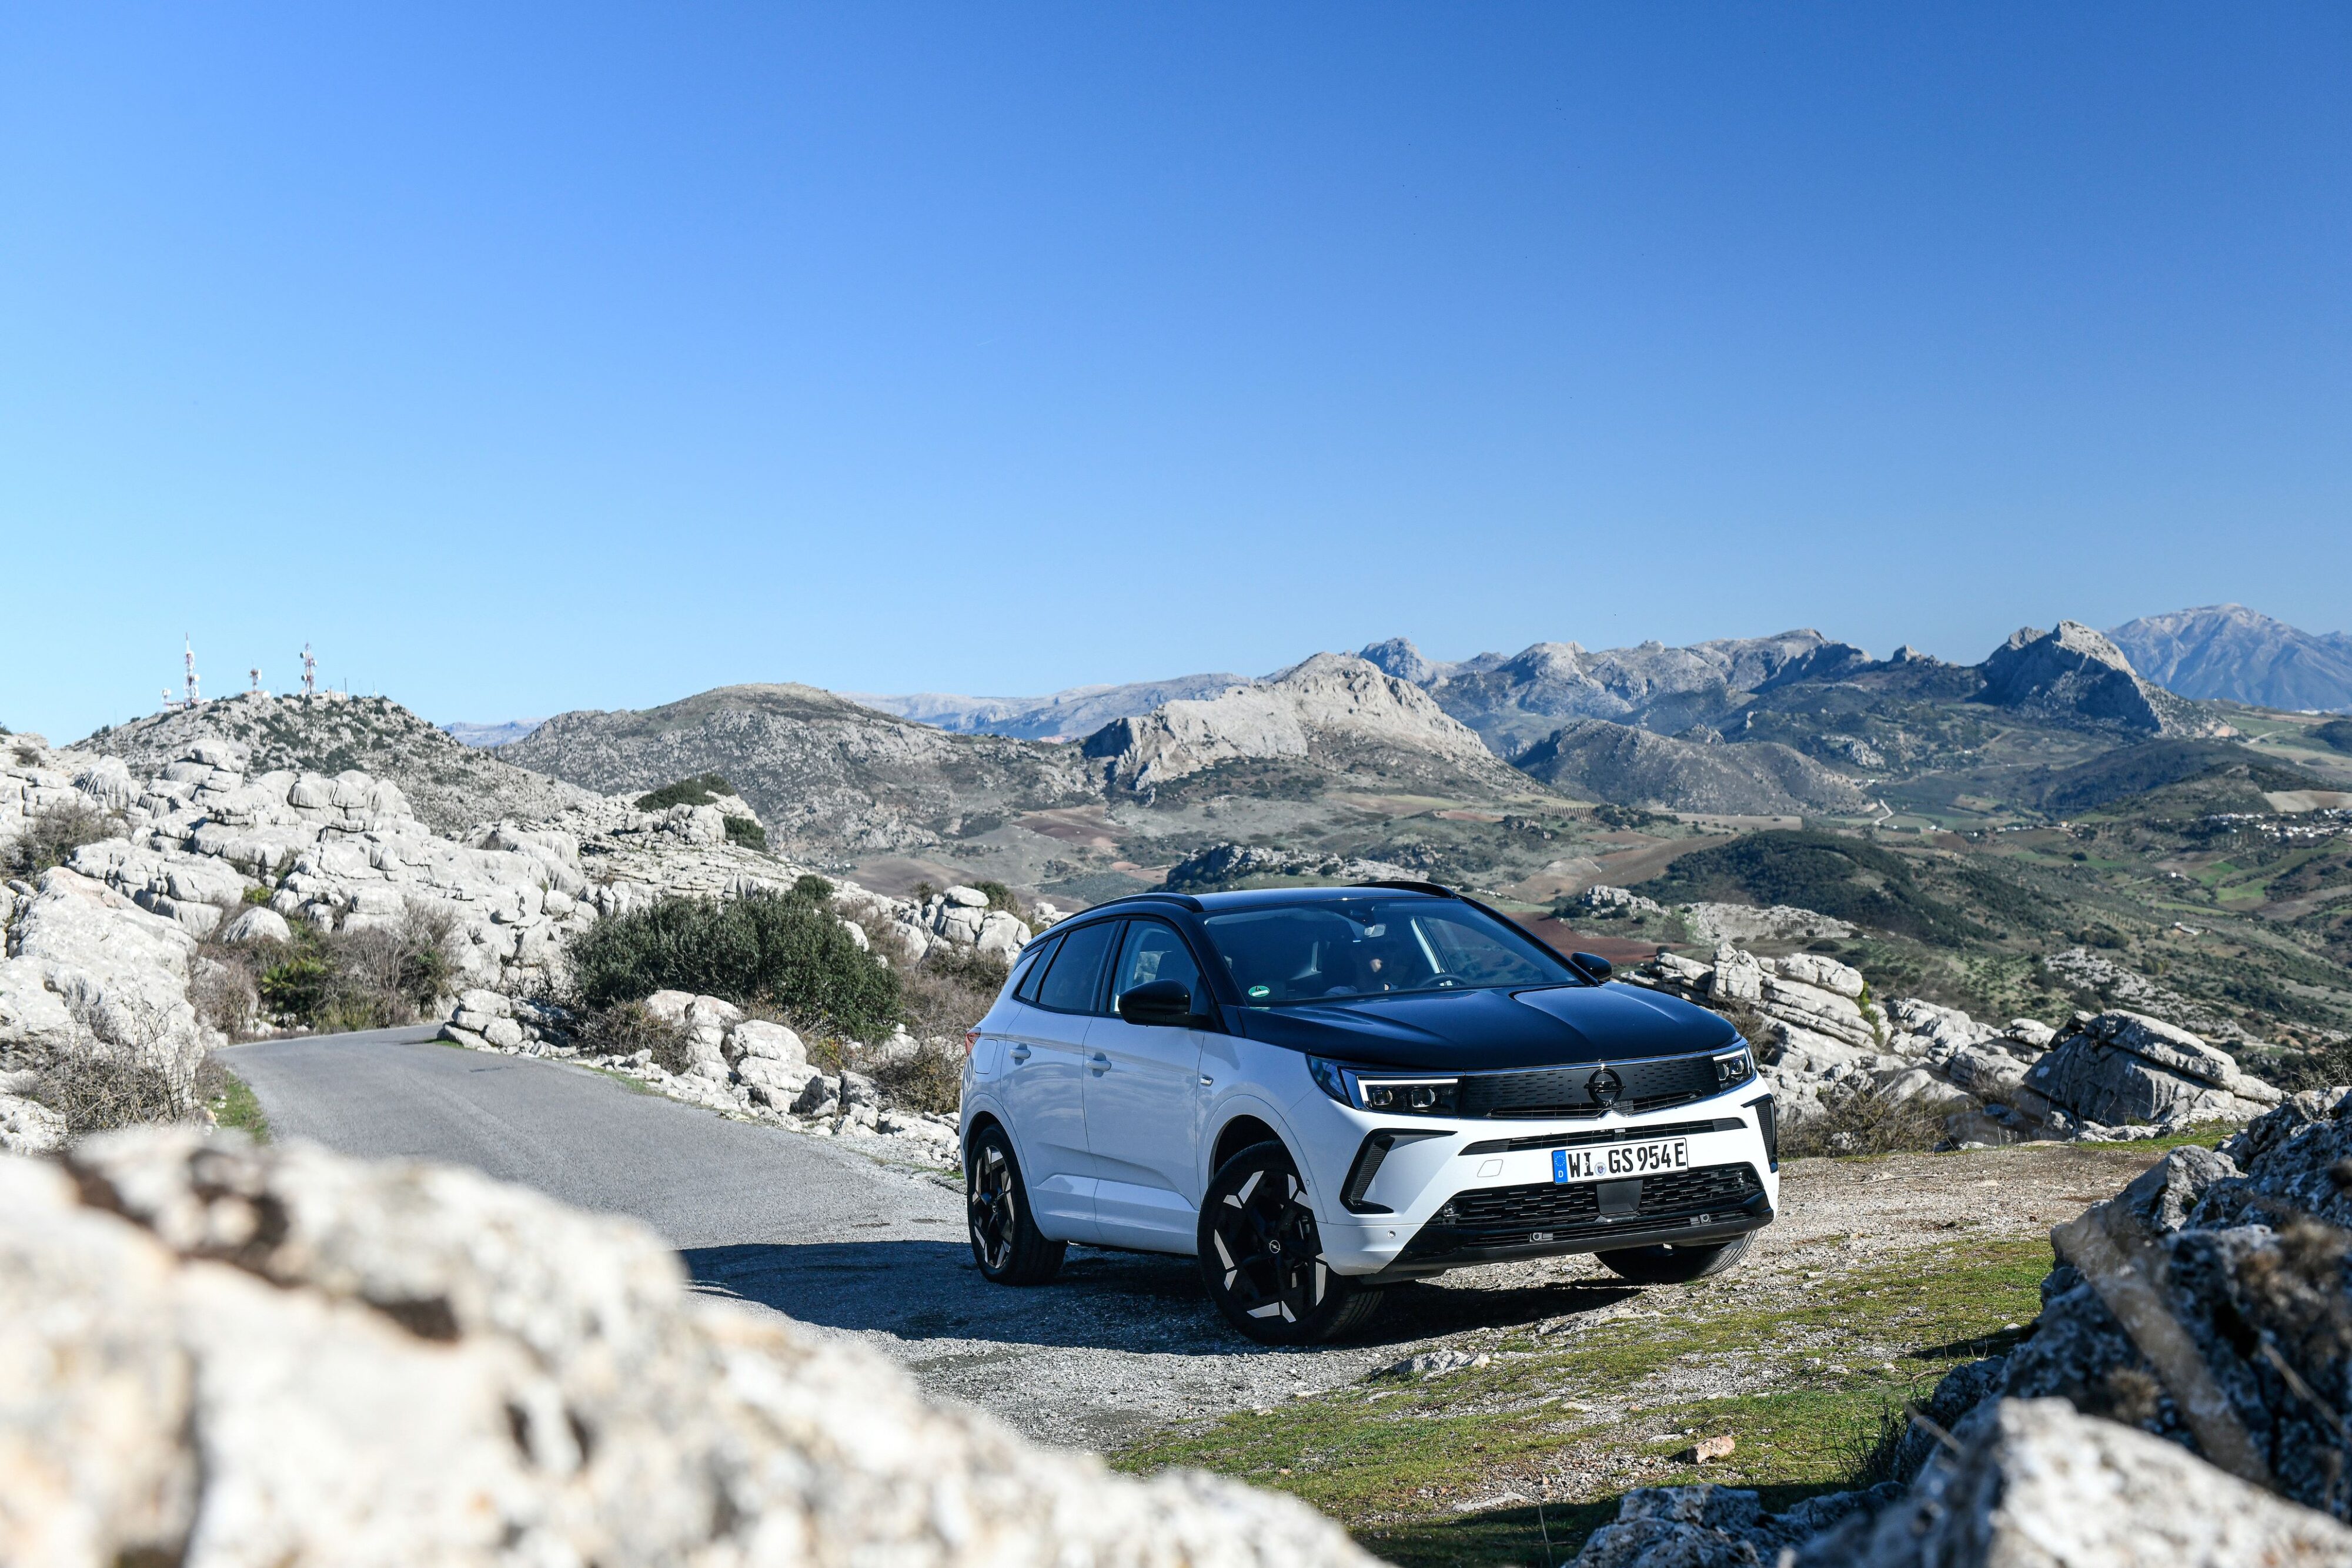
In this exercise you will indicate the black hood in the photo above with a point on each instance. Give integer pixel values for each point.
(1491, 1030)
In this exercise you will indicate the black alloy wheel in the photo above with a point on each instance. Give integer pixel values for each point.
(1669, 1265)
(1261, 1261)
(1005, 1242)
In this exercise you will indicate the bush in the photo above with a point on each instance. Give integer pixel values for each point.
(53, 834)
(99, 1092)
(2336, 733)
(928, 1078)
(785, 950)
(951, 990)
(626, 1029)
(686, 792)
(375, 978)
(743, 831)
(1871, 1122)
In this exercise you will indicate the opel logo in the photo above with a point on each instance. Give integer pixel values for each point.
(1604, 1086)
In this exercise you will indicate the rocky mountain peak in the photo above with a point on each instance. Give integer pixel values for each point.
(2234, 654)
(1398, 657)
(2075, 672)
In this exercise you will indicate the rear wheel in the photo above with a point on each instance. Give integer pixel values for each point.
(1667, 1265)
(1261, 1261)
(1005, 1242)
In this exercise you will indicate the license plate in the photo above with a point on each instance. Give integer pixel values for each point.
(1611, 1160)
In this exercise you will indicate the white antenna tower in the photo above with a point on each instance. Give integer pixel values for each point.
(256, 673)
(310, 673)
(188, 644)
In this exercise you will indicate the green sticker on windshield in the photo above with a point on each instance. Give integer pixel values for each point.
(1261, 991)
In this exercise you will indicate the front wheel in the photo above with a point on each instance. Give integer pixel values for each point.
(1005, 1242)
(1668, 1265)
(1261, 1261)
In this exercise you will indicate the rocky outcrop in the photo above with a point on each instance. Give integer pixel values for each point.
(220, 1355)
(2075, 675)
(1594, 759)
(450, 787)
(1229, 865)
(2176, 1402)
(2127, 1069)
(1333, 709)
(86, 971)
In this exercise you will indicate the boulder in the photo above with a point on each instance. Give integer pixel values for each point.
(258, 922)
(29, 1128)
(966, 897)
(2124, 1068)
(757, 1040)
(1737, 978)
(219, 1354)
(1823, 972)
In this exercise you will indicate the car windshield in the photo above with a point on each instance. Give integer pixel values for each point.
(1376, 945)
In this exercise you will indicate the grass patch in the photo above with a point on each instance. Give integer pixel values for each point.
(233, 1104)
(1582, 1413)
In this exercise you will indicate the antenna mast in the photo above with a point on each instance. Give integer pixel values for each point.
(256, 673)
(310, 673)
(188, 644)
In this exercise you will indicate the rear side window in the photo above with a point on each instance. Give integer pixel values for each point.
(1035, 959)
(1075, 976)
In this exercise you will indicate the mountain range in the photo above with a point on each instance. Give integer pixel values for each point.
(2236, 655)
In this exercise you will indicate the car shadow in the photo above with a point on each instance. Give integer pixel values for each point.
(919, 1289)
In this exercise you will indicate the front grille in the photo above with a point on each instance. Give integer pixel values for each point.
(1565, 1091)
(1505, 1216)
(1604, 1136)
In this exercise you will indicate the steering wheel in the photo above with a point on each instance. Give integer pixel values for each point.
(1444, 980)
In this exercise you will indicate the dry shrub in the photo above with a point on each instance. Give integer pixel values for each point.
(224, 986)
(1871, 1121)
(928, 1077)
(626, 1029)
(97, 1092)
(951, 990)
(53, 834)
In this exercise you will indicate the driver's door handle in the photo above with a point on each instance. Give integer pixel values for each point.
(1099, 1063)
(1019, 1054)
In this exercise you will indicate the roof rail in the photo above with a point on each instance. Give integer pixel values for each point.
(1412, 886)
(1182, 900)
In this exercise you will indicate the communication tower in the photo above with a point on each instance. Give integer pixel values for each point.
(256, 673)
(189, 647)
(310, 673)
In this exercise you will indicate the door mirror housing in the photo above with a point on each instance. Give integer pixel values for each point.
(1593, 965)
(1166, 1004)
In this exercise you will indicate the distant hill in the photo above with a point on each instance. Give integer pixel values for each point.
(826, 775)
(1841, 877)
(1594, 759)
(450, 785)
(1516, 701)
(2075, 675)
(1335, 710)
(2229, 653)
(1065, 715)
(486, 735)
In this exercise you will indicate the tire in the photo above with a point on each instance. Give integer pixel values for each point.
(1669, 1265)
(1005, 1242)
(1261, 1261)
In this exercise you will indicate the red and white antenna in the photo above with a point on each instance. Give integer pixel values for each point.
(188, 644)
(310, 673)
(256, 673)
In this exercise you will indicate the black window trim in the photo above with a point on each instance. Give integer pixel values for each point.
(1032, 965)
(1204, 999)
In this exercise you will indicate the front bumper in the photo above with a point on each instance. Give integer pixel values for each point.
(1462, 1193)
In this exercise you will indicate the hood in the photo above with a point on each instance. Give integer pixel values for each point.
(1491, 1030)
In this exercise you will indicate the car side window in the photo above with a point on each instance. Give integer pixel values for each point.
(1075, 978)
(1153, 951)
(1037, 955)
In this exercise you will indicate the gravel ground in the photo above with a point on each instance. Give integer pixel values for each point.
(845, 1234)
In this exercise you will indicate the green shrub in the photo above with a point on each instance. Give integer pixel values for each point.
(743, 831)
(784, 950)
(686, 792)
(299, 986)
(258, 894)
(370, 979)
(2336, 733)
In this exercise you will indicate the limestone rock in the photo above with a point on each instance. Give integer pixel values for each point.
(222, 1355)
(2123, 1067)
(29, 1128)
(258, 924)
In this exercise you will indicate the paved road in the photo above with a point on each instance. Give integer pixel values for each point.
(1120, 1344)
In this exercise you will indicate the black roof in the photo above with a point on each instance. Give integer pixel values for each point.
(1267, 897)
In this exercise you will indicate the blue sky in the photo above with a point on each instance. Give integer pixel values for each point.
(527, 357)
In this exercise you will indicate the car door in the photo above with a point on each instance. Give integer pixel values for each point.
(1040, 1083)
(1143, 1102)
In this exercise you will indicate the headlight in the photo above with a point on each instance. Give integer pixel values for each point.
(1734, 1067)
(1409, 1094)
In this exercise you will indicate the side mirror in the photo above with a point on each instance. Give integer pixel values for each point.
(1164, 1003)
(1593, 965)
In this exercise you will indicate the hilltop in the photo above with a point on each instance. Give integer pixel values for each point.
(452, 785)
(2236, 655)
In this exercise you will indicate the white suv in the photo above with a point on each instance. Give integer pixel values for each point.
(1320, 1091)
